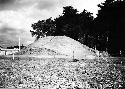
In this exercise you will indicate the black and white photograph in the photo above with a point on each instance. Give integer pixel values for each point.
(62, 44)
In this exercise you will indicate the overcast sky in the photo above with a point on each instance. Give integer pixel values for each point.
(16, 16)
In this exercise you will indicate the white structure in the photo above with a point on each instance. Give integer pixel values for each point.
(8, 51)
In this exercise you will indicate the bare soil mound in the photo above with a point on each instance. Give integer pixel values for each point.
(59, 45)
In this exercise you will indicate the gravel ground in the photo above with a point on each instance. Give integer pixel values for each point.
(60, 73)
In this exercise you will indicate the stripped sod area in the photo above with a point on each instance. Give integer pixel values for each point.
(41, 73)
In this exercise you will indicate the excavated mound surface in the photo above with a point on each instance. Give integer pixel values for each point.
(37, 51)
(58, 46)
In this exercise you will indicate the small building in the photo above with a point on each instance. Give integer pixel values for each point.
(4, 51)
(16, 47)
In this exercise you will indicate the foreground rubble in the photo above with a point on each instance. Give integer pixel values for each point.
(57, 74)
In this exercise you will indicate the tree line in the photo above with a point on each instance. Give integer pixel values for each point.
(105, 32)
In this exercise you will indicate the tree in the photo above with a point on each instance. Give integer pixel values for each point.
(66, 22)
(111, 19)
(70, 23)
(43, 28)
(73, 24)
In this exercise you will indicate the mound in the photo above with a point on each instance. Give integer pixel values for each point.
(60, 45)
(36, 51)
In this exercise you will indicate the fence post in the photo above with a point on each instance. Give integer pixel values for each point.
(13, 56)
(73, 54)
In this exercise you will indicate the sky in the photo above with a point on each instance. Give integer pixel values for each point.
(16, 16)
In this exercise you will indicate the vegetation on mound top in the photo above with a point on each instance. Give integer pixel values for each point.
(55, 73)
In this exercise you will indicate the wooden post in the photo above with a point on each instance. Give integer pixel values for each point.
(13, 56)
(95, 47)
(5, 52)
(19, 43)
(107, 44)
(120, 52)
(73, 54)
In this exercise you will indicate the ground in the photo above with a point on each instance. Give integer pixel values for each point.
(60, 73)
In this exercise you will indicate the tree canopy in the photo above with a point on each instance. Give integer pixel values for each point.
(110, 23)
(43, 28)
(70, 23)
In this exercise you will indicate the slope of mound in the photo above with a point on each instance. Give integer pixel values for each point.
(36, 51)
(56, 45)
